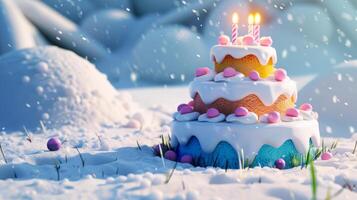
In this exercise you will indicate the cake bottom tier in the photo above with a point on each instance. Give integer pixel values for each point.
(234, 146)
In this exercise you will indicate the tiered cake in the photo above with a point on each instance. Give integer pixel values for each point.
(243, 112)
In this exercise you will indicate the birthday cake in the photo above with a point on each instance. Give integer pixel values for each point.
(243, 112)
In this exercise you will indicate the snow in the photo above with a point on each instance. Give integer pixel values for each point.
(57, 87)
(159, 54)
(108, 27)
(58, 28)
(14, 24)
(113, 131)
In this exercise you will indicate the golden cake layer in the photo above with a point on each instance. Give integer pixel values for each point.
(251, 102)
(245, 65)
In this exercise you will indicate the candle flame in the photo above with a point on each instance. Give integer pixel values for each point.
(251, 19)
(235, 18)
(257, 18)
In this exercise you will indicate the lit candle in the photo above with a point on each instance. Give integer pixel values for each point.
(235, 19)
(250, 24)
(256, 29)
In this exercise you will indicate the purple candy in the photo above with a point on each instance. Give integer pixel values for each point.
(212, 112)
(229, 72)
(254, 75)
(273, 117)
(202, 71)
(170, 155)
(54, 144)
(180, 106)
(241, 111)
(186, 109)
(186, 159)
(280, 163)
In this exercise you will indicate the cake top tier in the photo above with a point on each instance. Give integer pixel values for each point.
(263, 53)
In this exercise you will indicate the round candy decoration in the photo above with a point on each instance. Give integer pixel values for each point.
(54, 144)
(202, 71)
(229, 72)
(280, 163)
(274, 117)
(254, 75)
(186, 159)
(241, 111)
(186, 109)
(280, 74)
(326, 156)
(223, 40)
(292, 112)
(170, 155)
(212, 112)
(306, 107)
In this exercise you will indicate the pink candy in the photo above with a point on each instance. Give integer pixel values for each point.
(326, 156)
(223, 40)
(280, 74)
(229, 72)
(266, 41)
(273, 117)
(202, 71)
(254, 75)
(186, 109)
(306, 107)
(212, 112)
(292, 112)
(241, 111)
(248, 40)
(186, 159)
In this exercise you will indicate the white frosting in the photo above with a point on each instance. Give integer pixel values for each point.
(207, 77)
(268, 90)
(219, 78)
(204, 118)
(286, 118)
(263, 53)
(251, 118)
(308, 115)
(249, 137)
(264, 118)
(186, 117)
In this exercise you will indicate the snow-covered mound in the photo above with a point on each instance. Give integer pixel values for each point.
(57, 87)
(14, 25)
(109, 27)
(334, 96)
(170, 54)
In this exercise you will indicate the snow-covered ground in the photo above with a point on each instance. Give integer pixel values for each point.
(107, 133)
(114, 167)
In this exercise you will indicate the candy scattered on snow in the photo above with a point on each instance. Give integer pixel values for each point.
(54, 144)
(170, 155)
(280, 163)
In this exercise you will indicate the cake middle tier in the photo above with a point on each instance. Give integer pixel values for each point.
(260, 97)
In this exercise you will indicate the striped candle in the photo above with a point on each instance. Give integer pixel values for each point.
(250, 24)
(235, 20)
(256, 28)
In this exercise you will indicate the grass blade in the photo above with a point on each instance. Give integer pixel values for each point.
(313, 181)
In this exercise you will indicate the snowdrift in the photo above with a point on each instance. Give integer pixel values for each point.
(57, 87)
(334, 96)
